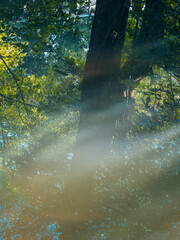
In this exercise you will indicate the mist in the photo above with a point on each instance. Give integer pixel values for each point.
(129, 193)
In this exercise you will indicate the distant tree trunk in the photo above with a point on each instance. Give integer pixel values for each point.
(147, 48)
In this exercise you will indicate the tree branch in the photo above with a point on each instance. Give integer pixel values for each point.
(15, 100)
(16, 81)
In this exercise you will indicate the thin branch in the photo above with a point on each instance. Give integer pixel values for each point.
(14, 127)
(15, 100)
(3, 136)
(16, 81)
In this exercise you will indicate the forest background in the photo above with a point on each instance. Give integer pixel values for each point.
(129, 129)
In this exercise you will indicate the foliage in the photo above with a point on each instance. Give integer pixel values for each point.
(43, 46)
(159, 99)
(29, 102)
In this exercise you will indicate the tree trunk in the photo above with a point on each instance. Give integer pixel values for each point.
(147, 49)
(100, 91)
(98, 97)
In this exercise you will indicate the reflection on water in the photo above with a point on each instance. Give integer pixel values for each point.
(135, 196)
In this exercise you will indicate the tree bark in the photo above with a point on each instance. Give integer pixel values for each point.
(100, 87)
(98, 96)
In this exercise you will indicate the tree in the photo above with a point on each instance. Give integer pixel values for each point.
(98, 96)
(37, 113)
(102, 67)
(104, 82)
